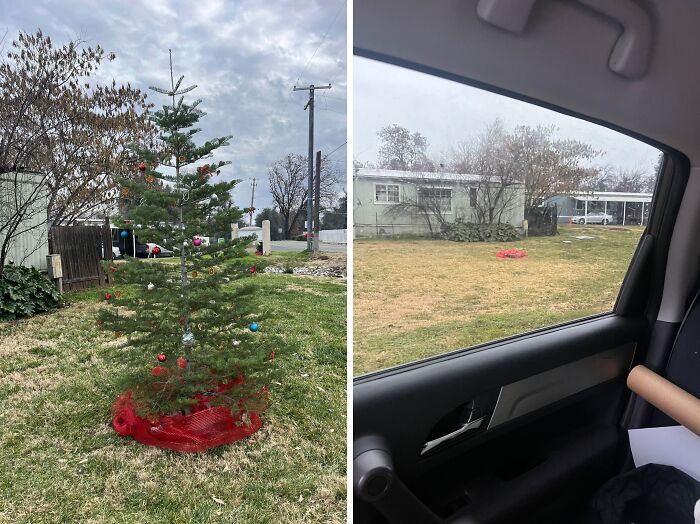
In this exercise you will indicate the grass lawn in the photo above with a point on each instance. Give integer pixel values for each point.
(61, 462)
(418, 298)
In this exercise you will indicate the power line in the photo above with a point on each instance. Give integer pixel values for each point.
(336, 149)
(325, 35)
(332, 110)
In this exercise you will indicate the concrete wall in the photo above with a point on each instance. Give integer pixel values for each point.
(251, 231)
(29, 248)
(333, 236)
(374, 219)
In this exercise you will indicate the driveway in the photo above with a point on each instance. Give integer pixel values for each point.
(299, 245)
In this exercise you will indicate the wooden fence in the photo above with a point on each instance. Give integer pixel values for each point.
(542, 221)
(81, 249)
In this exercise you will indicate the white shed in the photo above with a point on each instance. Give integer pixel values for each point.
(23, 191)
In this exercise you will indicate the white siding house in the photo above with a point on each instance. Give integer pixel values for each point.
(23, 191)
(387, 202)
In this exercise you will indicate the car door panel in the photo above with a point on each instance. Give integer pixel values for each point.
(561, 398)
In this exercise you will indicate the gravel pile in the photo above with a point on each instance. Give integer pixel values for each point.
(274, 269)
(321, 271)
(311, 271)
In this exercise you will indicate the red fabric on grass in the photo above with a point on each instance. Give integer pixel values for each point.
(511, 253)
(205, 427)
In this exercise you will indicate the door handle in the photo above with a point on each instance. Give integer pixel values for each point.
(466, 427)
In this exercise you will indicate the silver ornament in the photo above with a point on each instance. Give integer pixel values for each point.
(150, 286)
(188, 338)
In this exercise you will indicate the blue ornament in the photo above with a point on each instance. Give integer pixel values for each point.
(124, 234)
(253, 327)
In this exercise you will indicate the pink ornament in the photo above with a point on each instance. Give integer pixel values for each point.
(197, 241)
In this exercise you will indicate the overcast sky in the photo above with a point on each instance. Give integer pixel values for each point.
(244, 55)
(447, 112)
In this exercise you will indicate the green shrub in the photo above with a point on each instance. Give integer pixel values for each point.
(469, 232)
(24, 291)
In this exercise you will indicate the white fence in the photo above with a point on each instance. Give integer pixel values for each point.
(334, 236)
(30, 247)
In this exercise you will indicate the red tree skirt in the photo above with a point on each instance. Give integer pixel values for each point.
(204, 428)
(511, 253)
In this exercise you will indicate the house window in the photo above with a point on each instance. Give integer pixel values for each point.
(435, 199)
(472, 197)
(386, 193)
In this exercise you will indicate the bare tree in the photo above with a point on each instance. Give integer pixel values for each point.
(422, 197)
(288, 185)
(545, 165)
(550, 166)
(489, 161)
(624, 180)
(69, 134)
(402, 150)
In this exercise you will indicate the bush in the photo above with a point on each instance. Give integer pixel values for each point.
(469, 232)
(24, 291)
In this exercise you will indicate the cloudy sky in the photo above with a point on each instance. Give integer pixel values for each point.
(244, 55)
(447, 112)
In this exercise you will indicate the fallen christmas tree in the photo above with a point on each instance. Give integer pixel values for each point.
(195, 331)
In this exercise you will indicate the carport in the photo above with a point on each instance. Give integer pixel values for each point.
(625, 207)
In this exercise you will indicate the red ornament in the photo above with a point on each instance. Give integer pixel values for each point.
(142, 167)
(159, 371)
(181, 362)
(254, 268)
(108, 296)
(156, 250)
(162, 358)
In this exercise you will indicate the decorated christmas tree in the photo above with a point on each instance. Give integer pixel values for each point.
(192, 324)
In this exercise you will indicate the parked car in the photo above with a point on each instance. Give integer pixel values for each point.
(146, 250)
(161, 252)
(597, 217)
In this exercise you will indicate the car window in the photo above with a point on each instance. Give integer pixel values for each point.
(505, 217)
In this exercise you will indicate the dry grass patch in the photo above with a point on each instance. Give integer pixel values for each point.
(416, 298)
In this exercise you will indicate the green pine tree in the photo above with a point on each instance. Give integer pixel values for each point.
(190, 321)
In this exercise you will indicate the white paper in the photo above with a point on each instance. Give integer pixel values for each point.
(671, 446)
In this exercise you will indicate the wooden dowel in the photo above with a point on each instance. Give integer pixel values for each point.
(675, 402)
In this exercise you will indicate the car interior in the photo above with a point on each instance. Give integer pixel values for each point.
(526, 429)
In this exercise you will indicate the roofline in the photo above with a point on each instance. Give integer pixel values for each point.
(417, 176)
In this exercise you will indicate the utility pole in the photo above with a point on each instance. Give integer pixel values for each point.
(252, 199)
(317, 203)
(310, 191)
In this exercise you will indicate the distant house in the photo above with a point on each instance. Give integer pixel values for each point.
(624, 208)
(389, 202)
(24, 192)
